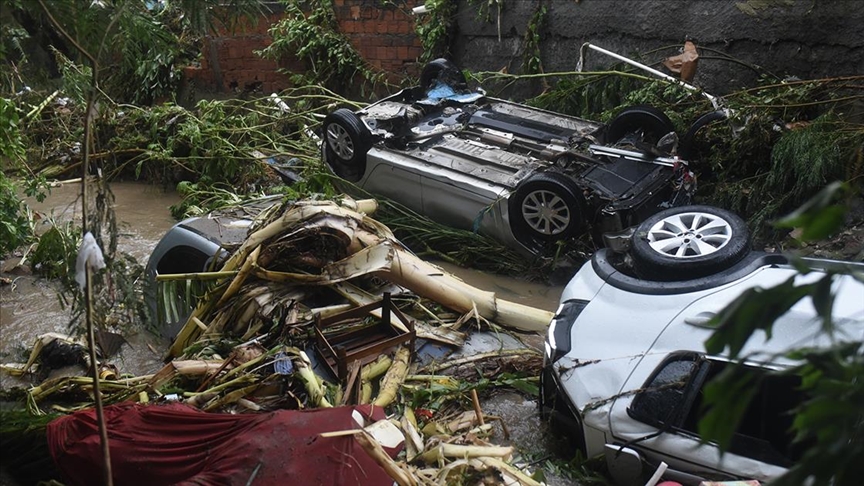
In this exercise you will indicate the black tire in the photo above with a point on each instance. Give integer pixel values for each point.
(688, 242)
(546, 207)
(688, 141)
(431, 72)
(652, 122)
(346, 138)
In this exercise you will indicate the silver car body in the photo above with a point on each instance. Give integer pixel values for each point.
(457, 161)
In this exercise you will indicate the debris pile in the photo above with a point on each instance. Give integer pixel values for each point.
(322, 307)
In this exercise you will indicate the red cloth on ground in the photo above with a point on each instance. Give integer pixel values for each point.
(178, 444)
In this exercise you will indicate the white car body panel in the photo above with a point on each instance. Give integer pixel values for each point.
(621, 337)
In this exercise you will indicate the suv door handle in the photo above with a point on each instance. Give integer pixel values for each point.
(701, 319)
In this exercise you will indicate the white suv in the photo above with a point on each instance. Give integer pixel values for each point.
(625, 356)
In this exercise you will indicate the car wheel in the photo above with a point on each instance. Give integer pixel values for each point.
(346, 138)
(688, 242)
(688, 141)
(432, 71)
(546, 207)
(650, 122)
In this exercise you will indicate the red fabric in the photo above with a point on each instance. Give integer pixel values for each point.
(177, 444)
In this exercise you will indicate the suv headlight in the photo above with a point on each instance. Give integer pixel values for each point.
(558, 338)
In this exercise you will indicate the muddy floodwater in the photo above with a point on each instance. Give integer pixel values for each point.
(30, 306)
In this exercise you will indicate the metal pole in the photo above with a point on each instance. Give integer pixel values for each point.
(713, 99)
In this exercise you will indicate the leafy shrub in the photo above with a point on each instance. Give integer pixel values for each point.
(15, 227)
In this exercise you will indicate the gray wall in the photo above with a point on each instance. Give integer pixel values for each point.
(803, 38)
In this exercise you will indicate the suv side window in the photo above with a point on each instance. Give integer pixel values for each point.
(671, 400)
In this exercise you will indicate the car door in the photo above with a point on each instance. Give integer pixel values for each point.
(661, 401)
(393, 176)
(662, 419)
(455, 199)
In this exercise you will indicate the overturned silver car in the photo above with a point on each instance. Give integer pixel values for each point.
(522, 175)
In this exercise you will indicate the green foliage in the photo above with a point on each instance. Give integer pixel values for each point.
(309, 31)
(830, 418)
(581, 471)
(729, 396)
(434, 28)
(76, 78)
(149, 55)
(15, 225)
(139, 45)
(198, 199)
(594, 96)
(531, 59)
(11, 143)
(484, 8)
(819, 216)
(24, 433)
(55, 253)
(804, 160)
(216, 143)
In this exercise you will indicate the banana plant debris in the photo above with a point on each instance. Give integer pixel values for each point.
(319, 308)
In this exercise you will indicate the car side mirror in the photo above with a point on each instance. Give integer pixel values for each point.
(624, 464)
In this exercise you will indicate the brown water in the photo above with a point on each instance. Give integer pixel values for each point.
(31, 306)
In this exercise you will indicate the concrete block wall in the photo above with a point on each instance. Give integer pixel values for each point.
(803, 38)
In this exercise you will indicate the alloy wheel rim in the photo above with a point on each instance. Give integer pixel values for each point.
(689, 235)
(340, 141)
(545, 212)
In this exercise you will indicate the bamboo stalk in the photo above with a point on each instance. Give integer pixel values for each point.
(238, 280)
(376, 368)
(232, 397)
(523, 478)
(240, 380)
(196, 276)
(438, 453)
(435, 367)
(376, 452)
(393, 379)
(477, 410)
(313, 387)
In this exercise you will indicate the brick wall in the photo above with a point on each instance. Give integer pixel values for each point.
(382, 34)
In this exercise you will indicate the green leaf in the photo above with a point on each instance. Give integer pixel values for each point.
(756, 308)
(819, 217)
(727, 398)
(527, 386)
(823, 300)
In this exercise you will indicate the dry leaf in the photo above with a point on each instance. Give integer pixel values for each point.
(685, 63)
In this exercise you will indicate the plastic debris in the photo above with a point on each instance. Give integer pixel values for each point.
(89, 256)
